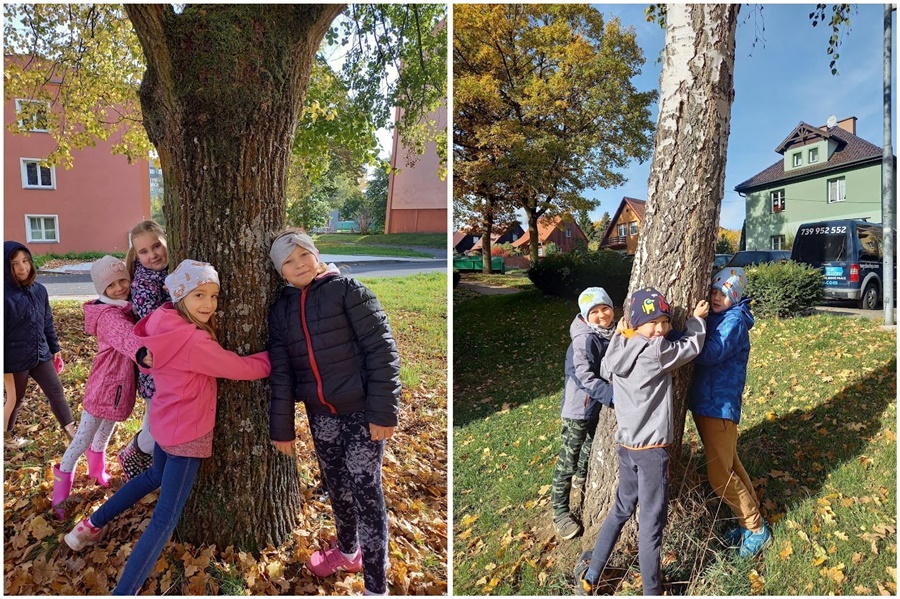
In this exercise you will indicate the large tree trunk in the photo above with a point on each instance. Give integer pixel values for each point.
(687, 179)
(486, 245)
(221, 95)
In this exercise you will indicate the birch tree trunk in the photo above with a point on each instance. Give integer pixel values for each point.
(221, 95)
(687, 179)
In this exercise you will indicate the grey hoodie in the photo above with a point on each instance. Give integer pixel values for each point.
(642, 383)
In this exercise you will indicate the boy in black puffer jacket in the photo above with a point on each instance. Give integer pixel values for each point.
(331, 347)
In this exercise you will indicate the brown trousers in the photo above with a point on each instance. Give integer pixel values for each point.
(726, 474)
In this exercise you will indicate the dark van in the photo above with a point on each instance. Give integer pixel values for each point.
(849, 252)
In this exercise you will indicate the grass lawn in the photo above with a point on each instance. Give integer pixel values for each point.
(415, 483)
(429, 240)
(818, 436)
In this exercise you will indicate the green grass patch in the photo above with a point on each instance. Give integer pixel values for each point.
(818, 436)
(430, 240)
(42, 259)
(514, 280)
(368, 250)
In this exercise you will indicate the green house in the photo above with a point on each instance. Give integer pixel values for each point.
(824, 173)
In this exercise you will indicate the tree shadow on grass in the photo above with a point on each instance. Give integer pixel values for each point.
(807, 445)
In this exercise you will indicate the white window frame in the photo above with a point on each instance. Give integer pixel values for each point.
(568, 232)
(776, 201)
(633, 228)
(777, 242)
(813, 158)
(797, 159)
(24, 162)
(841, 185)
(28, 236)
(622, 230)
(22, 124)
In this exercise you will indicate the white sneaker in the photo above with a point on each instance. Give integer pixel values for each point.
(83, 535)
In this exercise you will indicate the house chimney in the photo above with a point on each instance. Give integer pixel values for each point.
(848, 124)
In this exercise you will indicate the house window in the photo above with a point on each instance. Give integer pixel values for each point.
(813, 155)
(568, 232)
(622, 229)
(42, 228)
(37, 176)
(38, 120)
(778, 242)
(632, 228)
(798, 158)
(475, 239)
(837, 190)
(515, 236)
(777, 198)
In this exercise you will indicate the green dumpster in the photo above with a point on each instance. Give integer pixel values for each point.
(474, 263)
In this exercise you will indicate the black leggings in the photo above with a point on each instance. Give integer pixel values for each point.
(45, 376)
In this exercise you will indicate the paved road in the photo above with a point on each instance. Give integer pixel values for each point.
(79, 286)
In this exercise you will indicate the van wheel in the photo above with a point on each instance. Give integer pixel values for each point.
(870, 297)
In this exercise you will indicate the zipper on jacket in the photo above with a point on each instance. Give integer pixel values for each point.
(312, 357)
(118, 396)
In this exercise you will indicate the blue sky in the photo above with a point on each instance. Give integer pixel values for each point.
(784, 80)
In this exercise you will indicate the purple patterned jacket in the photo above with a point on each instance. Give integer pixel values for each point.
(147, 294)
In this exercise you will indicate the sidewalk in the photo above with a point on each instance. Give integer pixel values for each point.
(339, 259)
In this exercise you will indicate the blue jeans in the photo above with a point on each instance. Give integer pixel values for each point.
(175, 474)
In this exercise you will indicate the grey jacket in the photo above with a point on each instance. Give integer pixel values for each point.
(642, 383)
(585, 391)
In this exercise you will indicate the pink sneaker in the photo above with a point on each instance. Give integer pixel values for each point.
(326, 562)
(83, 535)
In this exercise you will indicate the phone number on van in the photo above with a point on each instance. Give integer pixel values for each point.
(822, 230)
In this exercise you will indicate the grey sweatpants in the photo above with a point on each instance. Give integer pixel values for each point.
(44, 374)
(644, 479)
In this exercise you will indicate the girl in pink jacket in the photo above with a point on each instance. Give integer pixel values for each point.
(109, 393)
(187, 359)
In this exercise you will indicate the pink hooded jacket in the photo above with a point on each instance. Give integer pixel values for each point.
(186, 363)
(110, 388)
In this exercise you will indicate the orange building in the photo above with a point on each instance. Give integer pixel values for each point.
(90, 207)
(417, 197)
(625, 226)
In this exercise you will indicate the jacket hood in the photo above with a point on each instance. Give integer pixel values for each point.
(10, 248)
(164, 332)
(739, 310)
(92, 311)
(622, 362)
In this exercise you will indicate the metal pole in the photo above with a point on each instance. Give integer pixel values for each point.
(888, 194)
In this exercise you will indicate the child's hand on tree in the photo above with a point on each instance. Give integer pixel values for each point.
(285, 447)
(702, 309)
(621, 326)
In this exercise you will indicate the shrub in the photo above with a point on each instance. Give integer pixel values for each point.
(783, 290)
(567, 275)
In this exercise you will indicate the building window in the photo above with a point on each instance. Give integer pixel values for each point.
(42, 228)
(798, 158)
(813, 155)
(37, 121)
(515, 236)
(568, 232)
(837, 190)
(37, 176)
(622, 229)
(632, 228)
(777, 198)
(778, 242)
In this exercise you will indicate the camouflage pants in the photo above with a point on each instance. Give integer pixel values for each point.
(577, 438)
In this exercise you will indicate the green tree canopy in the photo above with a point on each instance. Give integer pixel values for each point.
(544, 94)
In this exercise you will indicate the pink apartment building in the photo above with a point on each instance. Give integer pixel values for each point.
(90, 207)
(417, 198)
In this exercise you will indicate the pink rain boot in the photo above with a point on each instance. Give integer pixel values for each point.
(62, 486)
(97, 467)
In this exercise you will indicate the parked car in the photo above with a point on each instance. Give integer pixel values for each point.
(721, 260)
(849, 252)
(751, 257)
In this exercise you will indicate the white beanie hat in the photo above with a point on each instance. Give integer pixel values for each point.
(285, 243)
(590, 297)
(189, 275)
(107, 270)
(730, 281)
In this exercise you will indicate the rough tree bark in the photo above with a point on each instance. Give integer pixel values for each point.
(223, 88)
(687, 180)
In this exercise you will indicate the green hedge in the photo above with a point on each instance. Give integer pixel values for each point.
(42, 259)
(567, 275)
(783, 290)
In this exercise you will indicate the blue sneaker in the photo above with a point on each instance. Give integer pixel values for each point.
(754, 543)
(733, 537)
